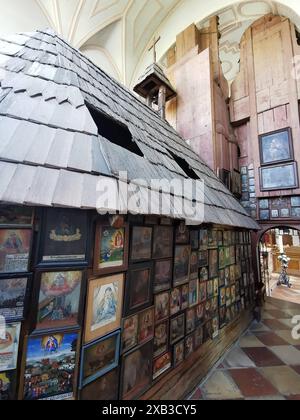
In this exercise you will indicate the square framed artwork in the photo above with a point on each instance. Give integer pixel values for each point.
(161, 307)
(111, 249)
(264, 215)
(181, 273)
(9, 347)
(274, 214)
(285, 213)
(14, 293)
(163, 275)
(178, 353)
(15, 250)
(295, 212)
(60, 350)
(295, 201)
(161, 338)
(99, 357)
(163, 237)
(139, 288)
(177, 328)
(105, 388)
(279, 177)
(141, 243)
(276, 147)
(162, 365)
(60, 300)
(146, 326)
(137, 371)
(64, 238)
(104, 306)
(129, 337)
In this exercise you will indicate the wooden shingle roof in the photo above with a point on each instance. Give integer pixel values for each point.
(51, 153)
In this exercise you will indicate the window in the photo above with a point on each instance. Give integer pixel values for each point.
(114, 131)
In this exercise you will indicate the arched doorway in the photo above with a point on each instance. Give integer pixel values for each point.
(273, 243)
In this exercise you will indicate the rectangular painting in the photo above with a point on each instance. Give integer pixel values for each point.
(15, 216)
(161, 338)
(276, 147)
(182, 234)
(279, 177)
(15, 250)
(146, 326)
(190, 321)
(212, 238)
(50, 367)
(162, 307)
(203, 258)
(104, 306)
(9, 347)
(213, 263)
(99, 357)
(194, 236)
(105, 388)
(163, 242)
(177, 328)
(7, 386)
(178, 353)
(194, 266)
(163, 274)
(141, 243)
(189, 345)
(175, 301)
(184, 297)
(203, 239)
(139, 288)
(59, 299)
(137, 370)
(130, 333)
(182, 265)
(111, 249)
(161, 365)
(193, 292)
(64, 237)
(13, 293)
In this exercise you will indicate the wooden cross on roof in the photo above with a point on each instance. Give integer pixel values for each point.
(153, 46)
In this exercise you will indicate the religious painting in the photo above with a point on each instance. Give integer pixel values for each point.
(189, 346)
(162, 242)
(64, 237)
(202, 292)
(276, 147)
(9, 347)
(163, 273)
(222, 296)
(233, 294)
(264, 204)
(14, 250)
(198, 337)
(296, 212)
(146, 326)
(279, 177)
(15, 216)
(232, 274)
(104, 306)
(99, 357)
(141, 243)
(162, 307)
(203, 239)
(177, 328)
(193, 292)
(59, 299)
(161, 365)
(212, 238)
(213, 263)
(222, 263)
(274, 214)
(178, 353)
(203, 274)
(221, 278)
(207, 331)
(285, 213)
(182, 265)
(105, 388)
(203, 258)
(130, 333)
(199, 313)
(13, 293)
(161, 338)
(7, 386)
(264, 214)
(194, 265)
(139, 288)
(222, 317)
(50, 367)
(215, 327)
(232, 255)
(182, 234)
(184, 297)
(216, 287)
(295, 201)
(175, 301)
(137, 369)
(227, 256)
(194, 236)
(111, 250)
(228, 296)
(190, 320)
(227, 276)
(208, 310)
(210, 289)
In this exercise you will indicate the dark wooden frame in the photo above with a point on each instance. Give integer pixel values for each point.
(171, 241)
(110, 270)
(170, 328)
(28, 276)
(139, 260)
(154, 274)
(296, 176)
(287, 130)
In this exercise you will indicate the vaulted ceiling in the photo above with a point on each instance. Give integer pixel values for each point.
(116, 34)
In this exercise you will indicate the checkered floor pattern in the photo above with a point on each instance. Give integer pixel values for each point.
(263, 365)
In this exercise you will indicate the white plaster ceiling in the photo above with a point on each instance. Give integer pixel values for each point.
(116, 34)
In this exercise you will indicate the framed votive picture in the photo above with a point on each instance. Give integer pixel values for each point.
(163, 273)
(141, 243)
(104, 306)
(139, 288)
(105, 388)
(162, 364)
(163, 242)
(15, 247)
(161, 338)
(276, 147)
(279, 177)
(178, 353)
(181, 265)
(111, 249)
(129, 333)
(177, 328)
(9, 346)
(13, 296)
(146, 326)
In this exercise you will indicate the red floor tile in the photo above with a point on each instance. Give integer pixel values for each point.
(197, 395)
(296, 368)
(252, 383)
(263, 357)
(274, 324)
(270, 339)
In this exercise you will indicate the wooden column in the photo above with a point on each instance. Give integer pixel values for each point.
(162, 101)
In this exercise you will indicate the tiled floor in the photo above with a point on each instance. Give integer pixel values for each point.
(284, 293)
(263, 365)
